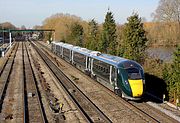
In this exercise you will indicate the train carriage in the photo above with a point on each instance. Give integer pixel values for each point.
(81, 59)
(67, 52)
(59, 49)
(53, 47)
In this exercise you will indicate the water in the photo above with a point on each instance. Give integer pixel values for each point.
(165, 54)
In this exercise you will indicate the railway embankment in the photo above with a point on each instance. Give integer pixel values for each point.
(158, 104)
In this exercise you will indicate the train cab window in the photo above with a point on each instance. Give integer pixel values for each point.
(133, 73)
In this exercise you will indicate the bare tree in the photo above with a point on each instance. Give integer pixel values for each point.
(177, 11)
(168, 11)
(7, 25)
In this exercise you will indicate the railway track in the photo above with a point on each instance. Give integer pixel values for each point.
(7, 58)
(5, 73)
(33, 107)
(145, 111)
(20, 99)
(152, 112)
(88, 109)
(11, 100)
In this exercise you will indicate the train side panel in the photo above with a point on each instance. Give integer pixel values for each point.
(104, 73)
(79, 60)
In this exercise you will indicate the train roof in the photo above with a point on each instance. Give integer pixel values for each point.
(54, 42)
(75, 48)
(82, 50)
(114, 60)
(109, 59)
(119, 62)
(65, 45)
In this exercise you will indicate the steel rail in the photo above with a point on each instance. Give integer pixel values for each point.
(29, 74)
(6, 71)
(6, 59)
(88, 109)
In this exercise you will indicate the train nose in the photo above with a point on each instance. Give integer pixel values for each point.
(136, 87)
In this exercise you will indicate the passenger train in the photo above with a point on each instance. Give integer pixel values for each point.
(123, 76)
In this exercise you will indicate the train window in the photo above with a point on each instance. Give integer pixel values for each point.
(101, 69)
(133, 73)
(80, 58)
(107, 71)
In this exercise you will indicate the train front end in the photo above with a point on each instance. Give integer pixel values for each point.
(131, 80)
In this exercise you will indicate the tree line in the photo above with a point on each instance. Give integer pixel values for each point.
(103, 37)
(129, 40)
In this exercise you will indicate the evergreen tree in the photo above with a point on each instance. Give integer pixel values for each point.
(108, 38)
(93, 35)
(166, 74)
(134, 38)
(176, 72)
(171, 76)
(77, 34)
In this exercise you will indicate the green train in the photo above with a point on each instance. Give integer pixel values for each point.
(123, 76)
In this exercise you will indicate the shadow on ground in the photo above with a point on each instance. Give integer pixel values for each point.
(155, 89)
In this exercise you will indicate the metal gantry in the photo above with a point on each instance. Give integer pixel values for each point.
(24, 30)
(10, 31)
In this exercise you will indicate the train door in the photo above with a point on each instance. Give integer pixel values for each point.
(91, 67)
(62, 52)
(88, 64)
(72, 56)
(113, 75)
(86, 69)
(117, 89)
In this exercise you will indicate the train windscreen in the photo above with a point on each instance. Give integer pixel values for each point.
(133, 74)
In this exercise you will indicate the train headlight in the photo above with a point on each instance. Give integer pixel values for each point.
(143, 81)
(126, 82)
